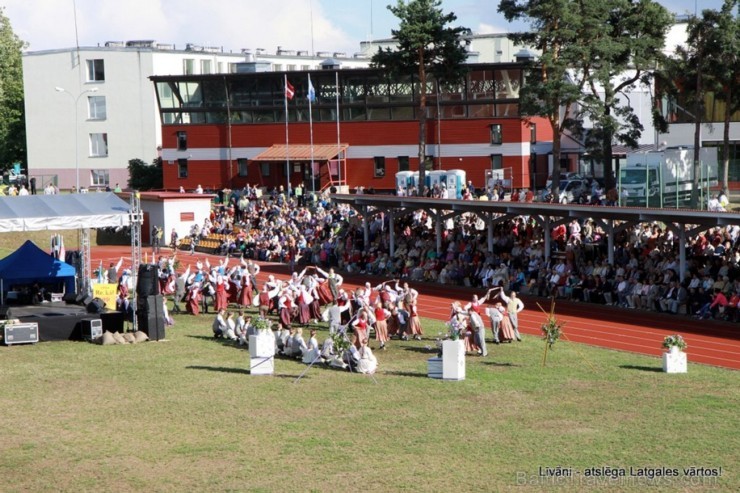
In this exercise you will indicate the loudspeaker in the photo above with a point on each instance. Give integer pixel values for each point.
(150, 318)
(147, 283)
(70, 298)
(92, 329)
(96, 306)
(83, 299)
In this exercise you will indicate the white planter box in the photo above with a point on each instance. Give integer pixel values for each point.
(262, 345)
(434, 368)
(453, 360)
(675, 362)
(262, 354)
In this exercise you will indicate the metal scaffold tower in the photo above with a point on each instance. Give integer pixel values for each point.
(136, 219)
(83, 284)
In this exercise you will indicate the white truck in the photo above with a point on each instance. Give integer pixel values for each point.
(665, 178)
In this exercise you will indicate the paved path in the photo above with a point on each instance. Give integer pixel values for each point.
(710, 342)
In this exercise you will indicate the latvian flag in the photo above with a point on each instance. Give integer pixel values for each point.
(289, 90)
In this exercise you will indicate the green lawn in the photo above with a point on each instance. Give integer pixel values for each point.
(185, 415)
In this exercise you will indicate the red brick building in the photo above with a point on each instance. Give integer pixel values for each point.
(227, 130)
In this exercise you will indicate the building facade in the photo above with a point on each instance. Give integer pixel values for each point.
(90, 111)
(359, 130)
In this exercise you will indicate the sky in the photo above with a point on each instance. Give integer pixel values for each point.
(311, 25)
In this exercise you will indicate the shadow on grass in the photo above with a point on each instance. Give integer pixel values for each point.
(405, 374)
(493, 363)
(223, 369)
(220, 340)
(416, 349)
(641, 368)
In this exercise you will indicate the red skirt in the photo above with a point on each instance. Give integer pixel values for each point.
(325, 296)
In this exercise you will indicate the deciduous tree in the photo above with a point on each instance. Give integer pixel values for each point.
(12, 115)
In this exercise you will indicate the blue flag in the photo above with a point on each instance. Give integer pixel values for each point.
(311, 91)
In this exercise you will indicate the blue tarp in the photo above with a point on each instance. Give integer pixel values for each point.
(31, 264)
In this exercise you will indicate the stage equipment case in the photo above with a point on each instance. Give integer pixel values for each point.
(27, 333)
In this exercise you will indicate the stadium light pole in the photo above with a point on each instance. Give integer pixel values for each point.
(77, 125)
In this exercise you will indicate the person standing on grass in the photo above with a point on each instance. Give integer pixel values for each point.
(414, 321)
(360, 327)
(513, 306)
(473, 310)
(381, 324)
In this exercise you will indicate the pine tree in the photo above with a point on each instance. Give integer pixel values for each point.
(427, 46)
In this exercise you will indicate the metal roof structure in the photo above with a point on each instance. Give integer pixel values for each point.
(301, 152)
(682, 222)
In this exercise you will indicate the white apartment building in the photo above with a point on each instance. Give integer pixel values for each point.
(90, 111)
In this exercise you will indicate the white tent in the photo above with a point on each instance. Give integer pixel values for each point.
(59, 212)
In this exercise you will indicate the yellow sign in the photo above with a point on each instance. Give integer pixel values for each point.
(107, 293)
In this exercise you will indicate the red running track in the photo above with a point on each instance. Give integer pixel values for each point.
(709, 342)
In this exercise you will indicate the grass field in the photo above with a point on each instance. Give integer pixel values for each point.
(185, 415)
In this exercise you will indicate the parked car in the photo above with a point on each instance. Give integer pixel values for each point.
(571, 190)
(563, 177)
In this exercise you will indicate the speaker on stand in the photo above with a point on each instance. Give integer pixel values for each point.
(147, 281)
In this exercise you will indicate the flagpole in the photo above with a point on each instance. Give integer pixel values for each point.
(287, 141)
(339, 157)
(310, 126)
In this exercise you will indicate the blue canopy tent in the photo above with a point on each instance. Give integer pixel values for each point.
(29, 264)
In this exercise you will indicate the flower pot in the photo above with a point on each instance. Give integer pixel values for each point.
(262, 353)
(675, 361)
(453, 360)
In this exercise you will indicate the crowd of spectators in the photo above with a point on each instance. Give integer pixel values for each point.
(643, 275)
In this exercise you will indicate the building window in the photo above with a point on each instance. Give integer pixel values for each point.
(265, 169)
(96, 108)
(221, 66)
(242, 166)
(403, 163)
(98, 145)
(497, 136)
(278, 67)
(205, 67)
(379, 166)
(533, 133)
(95, 70)
(232, 68)
(188, 66)
(99, 178)
(182, 168)
(496, 161)
(182, 141)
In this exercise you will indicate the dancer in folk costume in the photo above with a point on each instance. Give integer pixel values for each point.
(333, 279)
(314, 306)
(303, 301)
(514, 305)
(220, 282)
(506, 331)
(285, 307)
(381, 324)
(460, 323)
(246, 293)
(193, 299)
(415, 321)
(474, 310)
(392, 320)
(360, 326)
(265, 299)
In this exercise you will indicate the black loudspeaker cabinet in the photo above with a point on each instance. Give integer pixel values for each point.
(150, 317)
(96, 306)
(70, 298)
(147, 282)
(92, 329)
